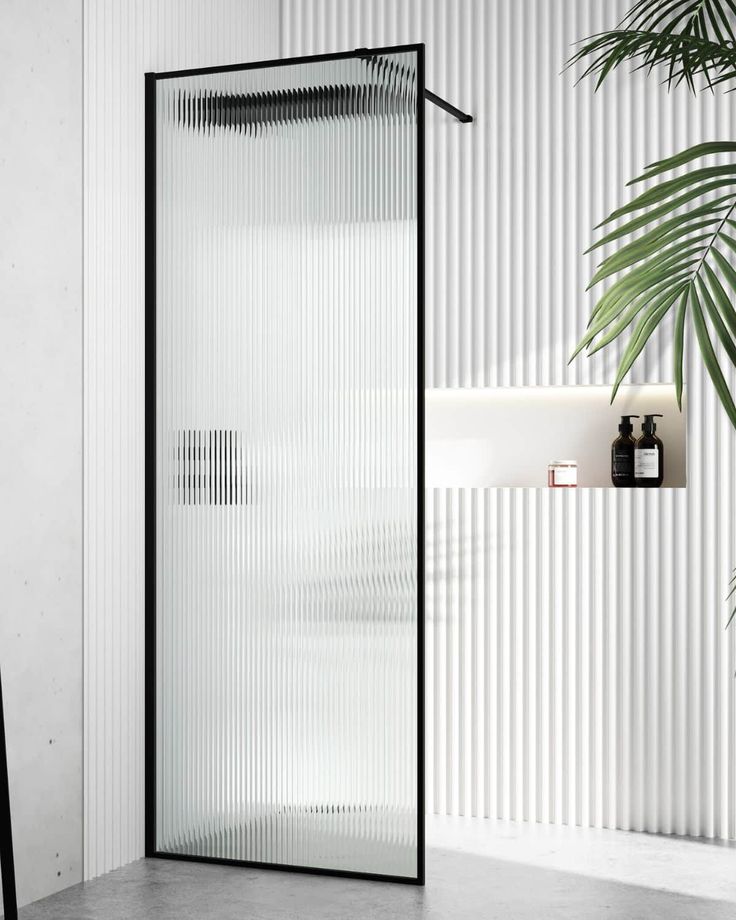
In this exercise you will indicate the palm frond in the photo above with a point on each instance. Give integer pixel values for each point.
(709, 19)
(686, 57)
(690, 38)
(673, 263)
(730, 594)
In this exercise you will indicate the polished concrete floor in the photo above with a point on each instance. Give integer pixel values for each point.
(475, 869)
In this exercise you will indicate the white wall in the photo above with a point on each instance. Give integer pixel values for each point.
(578, 671)
(41, 456)
(121, 42)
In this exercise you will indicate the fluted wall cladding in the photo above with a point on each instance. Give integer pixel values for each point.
(578, 670)
(121, 42)
(577, 667)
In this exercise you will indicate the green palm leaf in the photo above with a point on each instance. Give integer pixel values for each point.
(684, 56)
(729, 596)
(689, 38)
(679, 345)
(709, 356)
(675, 263)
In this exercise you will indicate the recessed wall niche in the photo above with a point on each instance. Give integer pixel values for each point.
(506, 436)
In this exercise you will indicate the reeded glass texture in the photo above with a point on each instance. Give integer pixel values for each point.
(287, 458)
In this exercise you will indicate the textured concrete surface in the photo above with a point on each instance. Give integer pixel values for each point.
(461, 884)
(697, 867)
(41, 457)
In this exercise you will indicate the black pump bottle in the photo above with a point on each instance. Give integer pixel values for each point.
(622, 455)
(649, 455)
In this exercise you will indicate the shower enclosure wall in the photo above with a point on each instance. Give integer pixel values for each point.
(284, 463)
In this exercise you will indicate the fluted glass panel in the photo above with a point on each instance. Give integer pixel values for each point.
(287, 464)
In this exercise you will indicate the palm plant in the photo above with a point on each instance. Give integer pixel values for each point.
(676, 240)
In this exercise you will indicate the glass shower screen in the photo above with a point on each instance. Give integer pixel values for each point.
(284, 401)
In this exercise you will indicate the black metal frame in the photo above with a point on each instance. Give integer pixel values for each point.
(150, 458)
(7, 865)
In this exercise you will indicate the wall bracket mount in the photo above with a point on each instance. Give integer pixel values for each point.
(429, 96)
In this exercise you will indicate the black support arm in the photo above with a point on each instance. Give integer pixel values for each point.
(447, 106)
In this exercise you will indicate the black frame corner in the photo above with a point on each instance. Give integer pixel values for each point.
(7, 861)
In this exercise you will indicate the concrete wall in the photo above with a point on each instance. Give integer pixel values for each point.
(41, 442)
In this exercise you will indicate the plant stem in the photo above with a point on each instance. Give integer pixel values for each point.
(711, 242)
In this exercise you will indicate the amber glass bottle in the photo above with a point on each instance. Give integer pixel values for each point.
(622, 455)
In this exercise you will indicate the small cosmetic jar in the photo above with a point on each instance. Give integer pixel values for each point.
(562, 474)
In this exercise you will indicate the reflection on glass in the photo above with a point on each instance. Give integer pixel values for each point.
(287, 465)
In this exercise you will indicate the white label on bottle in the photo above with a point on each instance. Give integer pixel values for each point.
(565, 476)
(646, 462)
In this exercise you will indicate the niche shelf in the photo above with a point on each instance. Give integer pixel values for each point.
(505, 436)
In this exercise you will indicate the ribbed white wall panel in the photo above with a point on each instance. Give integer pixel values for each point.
(578, 670)
(121, 42)
(576, 673)
(113, 437)
(512, 198)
